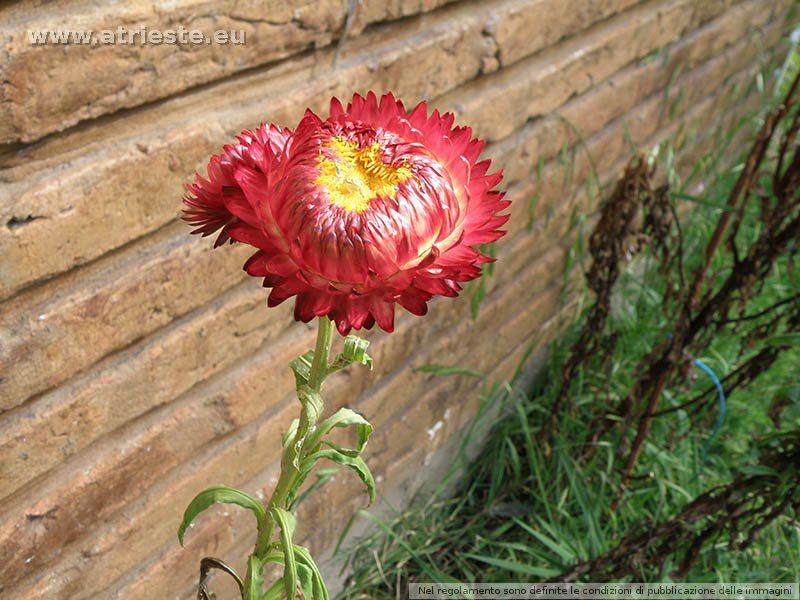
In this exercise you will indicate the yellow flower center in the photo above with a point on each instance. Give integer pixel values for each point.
(353, 176)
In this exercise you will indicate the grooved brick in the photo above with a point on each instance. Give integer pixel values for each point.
(540, 84)
(540, 24)
(44, 331)
(47, 88)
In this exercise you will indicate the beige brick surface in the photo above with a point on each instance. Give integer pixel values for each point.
(47, 88)
(505, 100)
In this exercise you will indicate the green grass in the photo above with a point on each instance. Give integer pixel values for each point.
(521, 516)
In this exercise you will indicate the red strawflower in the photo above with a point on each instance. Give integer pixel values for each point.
(373, 206)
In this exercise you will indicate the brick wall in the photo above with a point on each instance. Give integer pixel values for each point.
(137, 366)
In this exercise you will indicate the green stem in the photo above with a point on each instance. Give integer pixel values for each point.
(319, 368)
(307, 424)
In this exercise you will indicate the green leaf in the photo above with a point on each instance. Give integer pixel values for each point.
(275, 555)
(514, 567)
(306, 578)
(286, 522)
(565, 554)
(422, 559)
(302, 367)
(312, 405)
(445, 370)
(755, 470)
(355, 351)
(319, 590)
(489, 250)
(786, 339)
(254, 581)
(308, 586)
(274, 592)
(288, 437)
(701, 201)
(479, 286)
(344, 417)
(354, 462)
(224, 494)
(311, 401)
(351, 452)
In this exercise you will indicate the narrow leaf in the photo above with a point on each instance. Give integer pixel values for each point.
(254, 582)
(286, 522)
(311, 401)
(355, 351)
(354, 462)
(288, 437)
(224, 494)
(785, 339)
(275, 591)
(306, 578)
(754, 470)
(323, 475)
(319, 590)
(513, 566)
(566, 555)
(344, 417)
(421, 559)
(445, 370)
(302, 367)
(351, 452)
(477, 297)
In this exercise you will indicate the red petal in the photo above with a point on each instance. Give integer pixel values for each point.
(383, 313)
(281, 264)
(238, 205)
(242, 232)
(256, 264)
(414, 302)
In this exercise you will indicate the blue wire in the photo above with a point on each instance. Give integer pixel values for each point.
(720, 418)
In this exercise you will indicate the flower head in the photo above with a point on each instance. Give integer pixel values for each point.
(373, 206)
